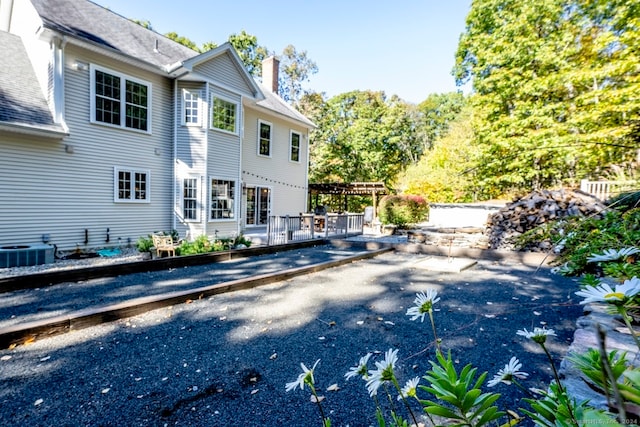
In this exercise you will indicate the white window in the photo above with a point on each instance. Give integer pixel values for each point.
(190, 199)
(191, 108)
(264, 138)
(131, 185)
(224, 115)
(119, 100)
(223, 193)
(294, 147)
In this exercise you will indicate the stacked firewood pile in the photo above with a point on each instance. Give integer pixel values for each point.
(535, 209)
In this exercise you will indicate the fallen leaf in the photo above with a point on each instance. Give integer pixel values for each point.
(253, 379)
(389, 323)
(380, 319)
(38, 402)
(333, 387)
(223, 318)
(332, 323)
(321, 338)
(317, 399)
(360, 322)
(537, 313)
(44, 359)
(29, 340)
(105, 390)
(5, 358)
(254, 391)
(490, 316)
(188, 301)
(274, 356)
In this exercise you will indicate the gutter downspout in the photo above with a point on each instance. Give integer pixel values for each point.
(240, 194)
(176, 183)
(6, 10)
(58, 81)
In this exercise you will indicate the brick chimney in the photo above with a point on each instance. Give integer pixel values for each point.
(270, 68)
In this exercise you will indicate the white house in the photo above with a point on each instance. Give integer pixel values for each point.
(110, 131)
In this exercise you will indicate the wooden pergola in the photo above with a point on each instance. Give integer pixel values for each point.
(345, 189)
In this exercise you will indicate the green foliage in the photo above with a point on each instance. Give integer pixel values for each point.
(250, 52)
(296, 68)
(435, 114)
(553, 88)
(625, 201)
(361, 136)
(182, 40)
(441, 175)
(203, 244)
(144, 244)
(582, 237)
(403, 210)
(556, 409)
(466, 405)
(590, 363)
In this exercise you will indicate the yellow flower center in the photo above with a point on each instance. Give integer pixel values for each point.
(616, 295)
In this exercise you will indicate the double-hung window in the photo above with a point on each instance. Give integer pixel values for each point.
(191, 108)
(294, 147)
(224, 115)
(190, 199)
(119, 100)
(131, 185)
(222, 199)
(264, 138)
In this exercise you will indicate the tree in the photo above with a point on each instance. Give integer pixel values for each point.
(434, 115)
(295, 68)
(182, 40)
(444, 173)
(553, 85)
(250, 52)
(361, 136)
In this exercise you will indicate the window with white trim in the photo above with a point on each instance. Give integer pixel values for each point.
(190, 199)
(223, 193)
(191, 108)
(224, 115)
(294, 147)
(119, 100)
(264, 138)
(131, 185)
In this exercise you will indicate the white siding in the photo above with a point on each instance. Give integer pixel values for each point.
(191, 160)
(223, 160)
(288, 180)
(63, 188)
(223, 70)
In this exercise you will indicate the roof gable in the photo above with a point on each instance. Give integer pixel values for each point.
(22, 103)
(95, 24)
(224, 65)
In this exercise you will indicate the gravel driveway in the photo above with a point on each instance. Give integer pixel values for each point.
(225, 360)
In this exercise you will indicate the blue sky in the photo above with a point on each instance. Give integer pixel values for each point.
(402, 47)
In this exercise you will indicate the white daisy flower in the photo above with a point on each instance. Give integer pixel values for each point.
(604, 293)
(410, 388)
(423, 304)
(510, 371)
(360, 369)
(613, 255)
(305, 377)
(538, 335)
(383, 373)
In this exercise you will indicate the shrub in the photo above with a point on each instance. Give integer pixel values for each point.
(403, 210)
(144, 244)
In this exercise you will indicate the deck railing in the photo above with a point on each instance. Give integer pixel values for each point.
(604, 190)
(286, 229)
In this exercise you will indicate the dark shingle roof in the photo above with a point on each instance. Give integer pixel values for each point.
(22, 103)
(273, 102)
(98, 25)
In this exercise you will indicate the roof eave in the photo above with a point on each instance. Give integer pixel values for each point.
(49, 34)
(34, 130)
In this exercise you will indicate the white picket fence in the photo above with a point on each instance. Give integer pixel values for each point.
(604, 190)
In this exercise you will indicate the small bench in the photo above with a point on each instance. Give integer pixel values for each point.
(164, 244)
